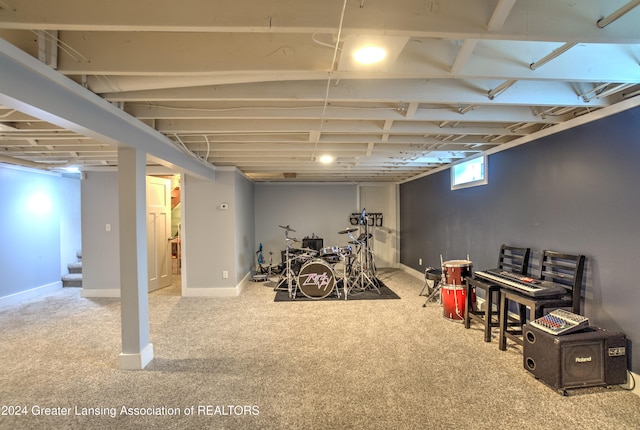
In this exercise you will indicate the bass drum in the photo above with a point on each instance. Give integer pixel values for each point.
(316, 279)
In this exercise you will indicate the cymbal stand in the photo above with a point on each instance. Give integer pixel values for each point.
(363, 278)
(370, 266)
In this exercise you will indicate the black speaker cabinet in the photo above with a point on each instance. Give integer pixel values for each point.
(589, 358)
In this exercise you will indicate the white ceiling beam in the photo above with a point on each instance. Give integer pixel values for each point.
(196, 110)
(169, 127)
(453, 19)
(450, 92)
(124, 61)
(500, 14)
(463, 55)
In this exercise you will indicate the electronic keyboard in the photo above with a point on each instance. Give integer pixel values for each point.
(560, 321)
(522, 284)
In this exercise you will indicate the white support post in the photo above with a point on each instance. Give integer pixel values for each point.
(137, 351)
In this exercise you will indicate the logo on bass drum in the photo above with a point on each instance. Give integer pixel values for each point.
(320, 280)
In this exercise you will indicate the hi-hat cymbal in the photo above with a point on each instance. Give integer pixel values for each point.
(286, 227)
(348, 230)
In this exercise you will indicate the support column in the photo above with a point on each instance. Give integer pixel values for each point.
(137, 352)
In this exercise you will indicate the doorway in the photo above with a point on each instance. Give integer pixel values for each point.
(158, 232)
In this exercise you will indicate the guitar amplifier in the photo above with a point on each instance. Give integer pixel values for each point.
(589, 358)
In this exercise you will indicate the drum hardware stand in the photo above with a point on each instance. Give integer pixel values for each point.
(431, 275)
(270, 264)
(370, 266)
(362, 275)
(437, 286)
(287, 271)
(259, 271)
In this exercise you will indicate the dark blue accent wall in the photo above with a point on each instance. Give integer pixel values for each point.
(577, 191)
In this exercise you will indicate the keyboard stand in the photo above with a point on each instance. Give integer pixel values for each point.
(513, 330)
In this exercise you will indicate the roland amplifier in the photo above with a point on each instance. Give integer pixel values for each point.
(589, 358)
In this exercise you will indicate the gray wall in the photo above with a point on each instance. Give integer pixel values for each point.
(100, 248)
(309, 209)
(217, 239)
(245, 225)
(575, 191)
(34, 236)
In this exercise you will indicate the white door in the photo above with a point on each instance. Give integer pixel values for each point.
(158, 232)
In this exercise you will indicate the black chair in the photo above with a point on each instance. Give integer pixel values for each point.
(511, 258)
(566, 270)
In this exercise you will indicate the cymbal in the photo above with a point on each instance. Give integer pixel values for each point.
(286, 227)
(348, 230)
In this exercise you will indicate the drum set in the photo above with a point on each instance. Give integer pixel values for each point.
(450, 283)
(334, 270)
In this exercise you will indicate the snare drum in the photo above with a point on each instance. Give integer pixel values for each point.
(455, 271)
(316, 279)
(331, 254)
(454, 301)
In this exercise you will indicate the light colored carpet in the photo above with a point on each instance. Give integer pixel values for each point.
(379, 364)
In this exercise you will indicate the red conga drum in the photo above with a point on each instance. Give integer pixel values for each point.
(453, 293)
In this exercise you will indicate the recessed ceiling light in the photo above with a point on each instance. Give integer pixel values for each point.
(369, 55)
(326, 159)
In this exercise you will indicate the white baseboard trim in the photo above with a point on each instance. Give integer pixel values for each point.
(411, 271)
(100, 292)
(40, 291)
(137, 361)
(215, 291)
(210, 292)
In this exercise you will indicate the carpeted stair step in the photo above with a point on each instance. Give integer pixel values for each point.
(72, 280)
(75, 267)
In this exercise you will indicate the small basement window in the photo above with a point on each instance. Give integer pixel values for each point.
(469, 173)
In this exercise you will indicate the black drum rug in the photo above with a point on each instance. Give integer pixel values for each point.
(370, 293)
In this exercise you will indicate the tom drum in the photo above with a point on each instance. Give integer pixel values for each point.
(455, 271)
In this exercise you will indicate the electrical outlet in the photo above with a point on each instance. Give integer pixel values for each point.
(107, 227)
(225, 274)
(420, 261)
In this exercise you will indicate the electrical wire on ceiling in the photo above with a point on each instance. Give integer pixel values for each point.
(321, 43)
(186, 150)
(333, 65)
(65, 47)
